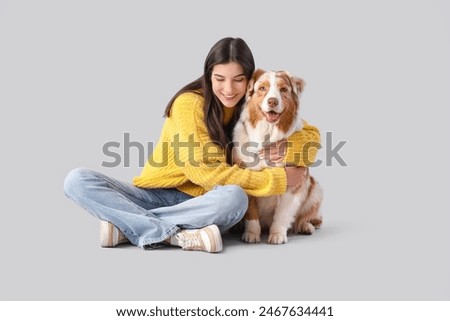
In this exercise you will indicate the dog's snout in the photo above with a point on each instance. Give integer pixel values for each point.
(273, 102)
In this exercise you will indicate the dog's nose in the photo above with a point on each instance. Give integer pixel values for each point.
(273, 102)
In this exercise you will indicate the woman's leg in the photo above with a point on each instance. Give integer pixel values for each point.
(223, 206)
(150, 216)
(204, 218)
(124, 205)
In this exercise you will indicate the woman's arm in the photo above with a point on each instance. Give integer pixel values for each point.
(302, 146)
(296, 153)
(300, 149)
(204, 163)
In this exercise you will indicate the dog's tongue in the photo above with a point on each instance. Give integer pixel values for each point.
(272, 116)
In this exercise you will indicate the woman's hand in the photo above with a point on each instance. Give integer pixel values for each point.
(274, 153)
(296, 176)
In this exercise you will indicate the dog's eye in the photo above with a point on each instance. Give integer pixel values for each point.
(262, 88)
(283, 90)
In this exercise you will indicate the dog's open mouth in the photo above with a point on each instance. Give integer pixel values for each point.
(271, 116)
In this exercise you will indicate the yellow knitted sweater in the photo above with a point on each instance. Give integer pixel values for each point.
(186, 158)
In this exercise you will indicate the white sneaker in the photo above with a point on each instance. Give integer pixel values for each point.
(205, 239)
(110, 235)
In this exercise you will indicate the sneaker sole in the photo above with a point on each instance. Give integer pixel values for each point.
(110, 236)
(215, 237)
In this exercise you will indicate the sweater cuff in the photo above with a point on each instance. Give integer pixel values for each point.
(279, 180)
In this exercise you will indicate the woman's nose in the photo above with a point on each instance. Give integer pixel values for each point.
(228, 87)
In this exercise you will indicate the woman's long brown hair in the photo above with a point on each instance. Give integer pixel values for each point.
(224, 51)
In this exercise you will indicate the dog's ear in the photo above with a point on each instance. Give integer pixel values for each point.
(256, 74)
(298, 84)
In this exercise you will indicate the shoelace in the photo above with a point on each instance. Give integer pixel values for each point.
(190, 240)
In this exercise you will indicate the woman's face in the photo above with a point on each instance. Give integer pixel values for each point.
(229, 83)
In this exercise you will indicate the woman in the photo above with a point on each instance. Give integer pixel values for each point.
(188, 191)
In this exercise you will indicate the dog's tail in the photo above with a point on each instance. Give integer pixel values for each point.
(309, 217)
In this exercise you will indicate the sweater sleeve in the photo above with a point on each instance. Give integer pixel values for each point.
(303, 146)
(204, 163)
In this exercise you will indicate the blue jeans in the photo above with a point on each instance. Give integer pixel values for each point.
(149, 216)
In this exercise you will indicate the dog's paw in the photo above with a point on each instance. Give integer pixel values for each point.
(305, 228)
(277, 238)
(316, 222)
(249, 237)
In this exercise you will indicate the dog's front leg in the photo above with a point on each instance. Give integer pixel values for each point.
(252, 232)
(283, 218)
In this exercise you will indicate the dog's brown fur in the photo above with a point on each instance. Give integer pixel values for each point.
(272, 108)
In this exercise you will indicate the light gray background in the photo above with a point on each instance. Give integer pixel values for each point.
(77, 74)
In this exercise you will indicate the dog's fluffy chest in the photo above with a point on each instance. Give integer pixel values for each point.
(263, 133)
(250, 138)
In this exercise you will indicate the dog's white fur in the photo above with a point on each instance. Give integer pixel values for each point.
(271, 114)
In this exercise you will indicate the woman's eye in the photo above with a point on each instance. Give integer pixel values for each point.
(239, 80)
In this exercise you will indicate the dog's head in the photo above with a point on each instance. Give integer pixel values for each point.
(274, 96)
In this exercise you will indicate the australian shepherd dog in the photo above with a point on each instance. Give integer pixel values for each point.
(271, 114)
